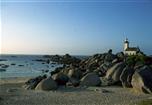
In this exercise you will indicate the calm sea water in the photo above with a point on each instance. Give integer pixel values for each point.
(25, 66)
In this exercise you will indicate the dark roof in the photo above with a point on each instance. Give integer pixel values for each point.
(132, 49)
(126, 41)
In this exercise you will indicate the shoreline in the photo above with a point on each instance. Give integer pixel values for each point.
(13, 80)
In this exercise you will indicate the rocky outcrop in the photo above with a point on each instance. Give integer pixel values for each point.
(120, 55)
(126, 77)
(54, 58)
(94, 62)
(109, 57)
(113, 74)
(75, 73)
(65, 59)
(47, 84)
(57, 70)
(32, 83)
(73, 82)
(142, 80)
(90, 79)
(102, 69)
(60, 78)
(113, 69)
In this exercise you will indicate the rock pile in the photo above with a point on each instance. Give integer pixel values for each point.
(65, 59)
(107, 68)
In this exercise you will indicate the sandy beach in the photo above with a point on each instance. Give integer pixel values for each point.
(12, 93)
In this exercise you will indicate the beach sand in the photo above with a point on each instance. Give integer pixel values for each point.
(12, 93)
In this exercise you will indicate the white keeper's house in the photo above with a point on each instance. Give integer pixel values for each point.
(130, 50)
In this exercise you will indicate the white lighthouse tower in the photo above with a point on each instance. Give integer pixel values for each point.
(126, 44)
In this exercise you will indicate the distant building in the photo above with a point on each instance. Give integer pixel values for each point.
(130, 50)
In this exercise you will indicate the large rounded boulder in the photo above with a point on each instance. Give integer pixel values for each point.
(90, 79)
(57, 70)
(73, 82)
(60, 78)
(104, 67)
(113, 74)
(75, 73)
(32, 83)
(142, 80)
(47, 84)
(109, 57)
(68, 59)
(126, 77)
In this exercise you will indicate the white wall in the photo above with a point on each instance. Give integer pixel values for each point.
(130, 52)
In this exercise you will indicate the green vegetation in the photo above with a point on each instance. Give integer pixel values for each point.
(145, 102)
(133, 59)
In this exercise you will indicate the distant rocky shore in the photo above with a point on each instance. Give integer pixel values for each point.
(105, 69)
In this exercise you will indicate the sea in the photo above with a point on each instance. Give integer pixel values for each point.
(25, 66)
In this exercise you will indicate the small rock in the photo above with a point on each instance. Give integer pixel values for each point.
(20, 65)
(4, 66)
(2, 70)
(101, 90)
(11, 90)
(13, 64)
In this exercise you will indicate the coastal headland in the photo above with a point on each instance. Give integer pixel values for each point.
(101, 79)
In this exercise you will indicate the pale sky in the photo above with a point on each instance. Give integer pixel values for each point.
(76, 27)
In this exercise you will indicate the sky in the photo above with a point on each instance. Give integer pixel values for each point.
(77, 27)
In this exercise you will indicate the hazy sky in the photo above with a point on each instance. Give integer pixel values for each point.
(74, 26)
